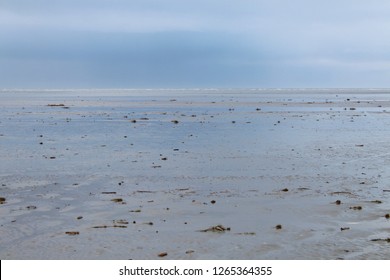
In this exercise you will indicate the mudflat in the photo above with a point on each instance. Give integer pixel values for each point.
(195, 174)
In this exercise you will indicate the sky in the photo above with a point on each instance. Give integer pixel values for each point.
(194, 43)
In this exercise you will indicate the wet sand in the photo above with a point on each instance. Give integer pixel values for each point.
(195, 174)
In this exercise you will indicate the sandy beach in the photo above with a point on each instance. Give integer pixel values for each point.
(195, 174)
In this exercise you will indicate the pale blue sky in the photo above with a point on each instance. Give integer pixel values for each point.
(179, 43)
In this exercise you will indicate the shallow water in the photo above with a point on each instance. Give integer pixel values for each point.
(266, 157)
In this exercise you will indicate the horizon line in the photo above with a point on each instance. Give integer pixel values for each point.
(194, 88)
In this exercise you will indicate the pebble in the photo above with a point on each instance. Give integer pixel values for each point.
(217, 228)
(376, 201)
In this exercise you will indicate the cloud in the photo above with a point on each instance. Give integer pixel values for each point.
(220, 42)
(167, 59)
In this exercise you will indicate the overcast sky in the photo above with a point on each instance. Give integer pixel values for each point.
(194, 43)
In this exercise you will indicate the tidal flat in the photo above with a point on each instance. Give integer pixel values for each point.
(195, 174)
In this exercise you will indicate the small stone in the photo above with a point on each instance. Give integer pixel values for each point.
(381, 239)
(278, 227)
(72, 233)
(376, 201)
(121, 222)
(217, 228)
(164, 254)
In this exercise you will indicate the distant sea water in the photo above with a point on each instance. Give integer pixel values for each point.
(126, 91)
(9, 96)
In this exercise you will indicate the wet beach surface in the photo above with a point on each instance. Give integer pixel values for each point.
(195, 174)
